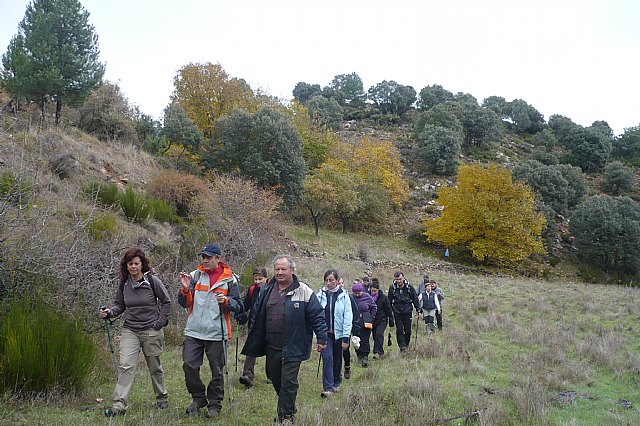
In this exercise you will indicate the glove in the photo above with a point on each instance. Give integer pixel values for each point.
(242, 318)
(391, 323)
(356, 342)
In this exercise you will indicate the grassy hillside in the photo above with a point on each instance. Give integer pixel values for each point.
(514, 350)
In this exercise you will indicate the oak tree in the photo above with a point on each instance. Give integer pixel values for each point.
(488, 214)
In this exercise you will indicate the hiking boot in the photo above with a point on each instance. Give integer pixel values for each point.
(403, 348)
(347, 372)
(365, 362)
(162, 404)
(212, 412)
(336, 389)
(376, 356)
(195, 407)
(287, 421)
(326, 393)
(245, 380)
(112, 412)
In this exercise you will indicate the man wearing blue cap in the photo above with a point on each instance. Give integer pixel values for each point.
(209, 292)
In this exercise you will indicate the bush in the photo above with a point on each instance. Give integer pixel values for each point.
(177, 189)
(106, 194)
(102, 227)
(42, 351)
(160, 210)
(13, 189)
(134, 206)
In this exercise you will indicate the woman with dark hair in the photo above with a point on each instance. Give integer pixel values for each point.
(145, 303)
(384, 315)
(338, 316)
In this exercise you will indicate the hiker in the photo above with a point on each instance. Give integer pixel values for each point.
(355, 331)
(366, 283)
(281, 326)
(338, 317)
(384, 315)
(210, 292)
(144, 300)
(402, 296)
(259, 279)
(421, 286)
(438, 291)
(368, 310)
(430, 305)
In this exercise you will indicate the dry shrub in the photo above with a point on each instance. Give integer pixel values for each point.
(575, 372)
(530, 399)
(239, 216)
(177, 189)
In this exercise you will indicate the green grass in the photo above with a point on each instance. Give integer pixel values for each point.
(509, 348)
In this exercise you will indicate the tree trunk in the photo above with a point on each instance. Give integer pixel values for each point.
(58, 111)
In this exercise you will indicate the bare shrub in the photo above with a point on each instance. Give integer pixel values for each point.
(530, 399)
(177, 189)
(239, 216)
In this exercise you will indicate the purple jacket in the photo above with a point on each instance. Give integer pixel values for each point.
(367, 307)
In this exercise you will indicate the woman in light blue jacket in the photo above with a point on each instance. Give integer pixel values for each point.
(338, 316)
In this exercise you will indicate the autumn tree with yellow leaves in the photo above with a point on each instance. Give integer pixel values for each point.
(207, 92)
(488, 214)
(360, 183)
(317, 139)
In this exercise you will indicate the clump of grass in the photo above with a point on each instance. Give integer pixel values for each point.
(601, 349)
(102, 227)
(530, 399)
(105, 194)
(134, 206)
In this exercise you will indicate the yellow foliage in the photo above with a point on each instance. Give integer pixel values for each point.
(373, 161)
(317, 139)
(490, 215)
(207, 92)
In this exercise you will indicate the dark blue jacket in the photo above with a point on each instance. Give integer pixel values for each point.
(303, 316)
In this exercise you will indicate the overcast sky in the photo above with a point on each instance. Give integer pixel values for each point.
(580, 59)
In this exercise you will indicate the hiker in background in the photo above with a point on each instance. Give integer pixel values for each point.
(368, 310)
(338, 316)
(149, 305)
(421, 286)
(259, 279)
(209, 293)
(438, 291)
(402, 296)
(384, 315)
(281, 326)
(355, 331)
(366, 283)
(430, 305)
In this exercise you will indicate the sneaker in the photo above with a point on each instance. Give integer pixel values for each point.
(112, 412)
(326, 393)
(212, 412)
(336, 389)
(246, 381)
(347, 372)
(195, 407)
(162, 404)
(376, 356)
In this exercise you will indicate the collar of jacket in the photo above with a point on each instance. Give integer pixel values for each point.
(292, 287)
(226, 271)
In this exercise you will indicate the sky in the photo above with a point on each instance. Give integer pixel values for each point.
(580, 59)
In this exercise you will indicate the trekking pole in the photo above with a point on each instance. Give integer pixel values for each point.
(224, 347)
(319, 359)
(417, 327)
(113, 354)
(237, 336)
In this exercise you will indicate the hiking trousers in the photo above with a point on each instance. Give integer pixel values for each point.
(131, 342)
(284, 376)
(378, 337)
(192, 358)
(403, 329)
(332, 363)
(249, 367)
